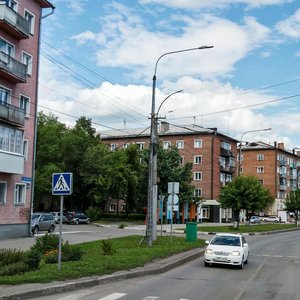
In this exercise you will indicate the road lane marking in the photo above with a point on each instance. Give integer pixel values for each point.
(113, 296)
(76, 296)
(150, 298)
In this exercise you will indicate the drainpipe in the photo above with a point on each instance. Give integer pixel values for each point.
(36, 117)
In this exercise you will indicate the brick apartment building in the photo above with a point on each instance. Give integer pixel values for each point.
(274, 166)
(212, 153)
(19, 49)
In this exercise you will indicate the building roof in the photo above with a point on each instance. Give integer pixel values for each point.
(165, 129)
(45, 4)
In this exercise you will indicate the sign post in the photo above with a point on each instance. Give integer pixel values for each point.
(173, 189)
(62, 184)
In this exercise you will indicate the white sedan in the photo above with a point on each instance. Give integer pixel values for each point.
(227, 249)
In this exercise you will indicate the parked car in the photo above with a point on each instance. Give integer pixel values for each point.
(272, 219)
(57, 217)
(255, 220)
(227, 249)
(42, 222)
(77, 217)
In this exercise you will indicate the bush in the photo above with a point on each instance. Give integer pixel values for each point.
(11, 256)
(93, 213)
(13, 269)
(121, 226)
(32, 260)
(107, 247)
(46, 243)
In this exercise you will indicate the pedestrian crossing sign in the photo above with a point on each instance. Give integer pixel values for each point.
(62, 183)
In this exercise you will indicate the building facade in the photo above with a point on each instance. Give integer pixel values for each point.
(19, 50)
(212, 154)
(274, 166)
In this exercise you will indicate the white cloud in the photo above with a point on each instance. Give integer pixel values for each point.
(291, 26)
(265, 54)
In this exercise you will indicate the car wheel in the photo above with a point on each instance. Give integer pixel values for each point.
(51, 229)
(35, 230)
(206, 264)
(76, 221)
(88, 221)
(241, 266)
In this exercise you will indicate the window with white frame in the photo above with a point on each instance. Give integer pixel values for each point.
(3, 189)
(12, 4)
(11, 139)
(181, 162)
(180, 144)
(166, 144)
(198, 176)
(222, 177)
(198, 159)
(260, 169)
(140, 145)
(238, 157)
(27, 60)
(197, 192)
(25, 105)
(113, 147)
(113, 207)
(20, 193)
(197, 143)
(125, 146)
(8, 49)
(261, 181)
(225, 145)
(260, 157)
(4, 95)
(30, 17)
(205, 212)
(25, 149)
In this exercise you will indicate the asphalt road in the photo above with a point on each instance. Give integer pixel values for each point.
(273, 272)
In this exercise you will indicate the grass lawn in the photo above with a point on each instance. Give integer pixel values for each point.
(129, 254)
(246, 229)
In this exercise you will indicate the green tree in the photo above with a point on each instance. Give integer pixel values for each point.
(292, 203)
(245, 193)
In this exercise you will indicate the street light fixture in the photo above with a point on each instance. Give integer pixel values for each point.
(240, 150)
(151, 229)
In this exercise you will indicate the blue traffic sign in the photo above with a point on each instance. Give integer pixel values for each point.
(62, 184)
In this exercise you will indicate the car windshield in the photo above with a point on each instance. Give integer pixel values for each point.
(226, 241)
(35, 216)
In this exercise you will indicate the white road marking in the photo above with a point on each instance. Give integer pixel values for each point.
(150, 298)
(76, 296)
(113, 296)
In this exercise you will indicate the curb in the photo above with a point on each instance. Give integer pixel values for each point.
(88, 282)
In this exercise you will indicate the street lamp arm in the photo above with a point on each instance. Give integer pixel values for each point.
(180, 91)
(178, 51)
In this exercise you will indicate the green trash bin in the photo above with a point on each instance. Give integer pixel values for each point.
(191, 232)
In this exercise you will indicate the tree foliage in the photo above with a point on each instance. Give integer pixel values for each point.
(245, 193)
(292, 203)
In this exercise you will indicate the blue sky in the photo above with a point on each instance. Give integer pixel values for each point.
(98, 59)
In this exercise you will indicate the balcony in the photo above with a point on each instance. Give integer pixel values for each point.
(282, 162)
(283, 187)
(13, 23)
(11, 163)
(226, 152)
(12, 114)
(282, 175)
(11, 69)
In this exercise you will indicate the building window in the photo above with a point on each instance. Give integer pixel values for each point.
(260, 157)
(25, 105)
(27, 60)
(113, 147)
(198, 159)
(241, 169)
(12, 4)
(4, 95)
(197, 143)
(225, 145)
(20, 193)
(238, 157)
(125, 146)
(197, 176)
(3, 189)
(112, 207)
(197, 192)
(25, 149)
(166, 144)
(123, 207)
(181, 162)
(205, 212)
(11, 140)
(30, 17)
(260, 169)
(180, 144)
(141, 146)
(8, 49)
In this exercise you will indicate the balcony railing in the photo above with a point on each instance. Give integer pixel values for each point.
(283, 187)
(14, 23)
(12, 114)
(283, 162)
(12, 69)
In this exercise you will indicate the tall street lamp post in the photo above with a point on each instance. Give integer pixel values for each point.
(151, 229)
(240, 150)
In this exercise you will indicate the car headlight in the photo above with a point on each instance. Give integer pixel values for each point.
(209, 251)
(235, 253)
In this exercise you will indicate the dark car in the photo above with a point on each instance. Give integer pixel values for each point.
(42, 222)
(77, 218)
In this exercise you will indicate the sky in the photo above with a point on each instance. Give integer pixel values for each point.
(98, 59)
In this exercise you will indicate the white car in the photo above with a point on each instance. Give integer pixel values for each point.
(227, 249)
(272, 219)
